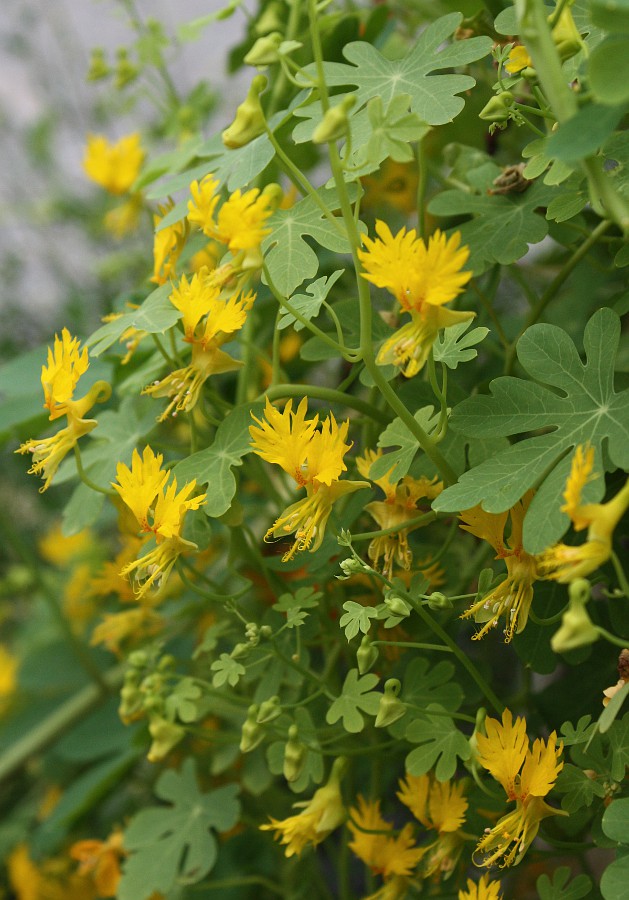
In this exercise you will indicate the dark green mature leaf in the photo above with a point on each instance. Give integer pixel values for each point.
(356, 695)
(433, 97)
(616, 821)
(290, 259)
(175, 844)
(502, 227)
(585, 133)
(441, 744)
(588, 410)
(619, 745)
(579, 789)
(156, 315)
(615, 880)
(426, 683)
(397, 435)
(559, 889)
(213, 466)
(609, 70)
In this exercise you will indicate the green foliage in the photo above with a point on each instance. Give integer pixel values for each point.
(357, 696)
(356, 618)
(590, 412)
(309, 304)
(562, 887)
(454, 346)
(175, 844)
(440, 745)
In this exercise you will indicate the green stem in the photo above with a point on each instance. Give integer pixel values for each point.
(620, 574)
(554, 287)
(487, 306)
(422, 182)
(608, 636)
(424, 519)
(87, 481)
(58, 722)
(416, 646)
(330, 395)
(245, 375)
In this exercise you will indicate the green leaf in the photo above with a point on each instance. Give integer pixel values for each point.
(587, 410)
(397, 435)
(502, 227)
(616, 150)
(356, 695)
(175, 844)
(303, 598)
(379, 132)
(433, 97)
(566, 206)
(579, 789)
(226, 671)
(357, 618)
(611, 15)
(213, 466)
(428, 684)
(615, 880)
(619, 746)
(540, 159)
(440, 745)
(309, 304)
(584, 133)
(608, 716)
(453, 346)
(559, 889)
(290, 259)
(313, 768)
(609, 70)
(183, 701)
(156, 315)
(616, 821)
(580, 734)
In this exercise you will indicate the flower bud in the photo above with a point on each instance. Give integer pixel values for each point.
(272, 19)
(567, 39)
(479, 727)
(294, 755)
(126, 71)
(396, 606)
(249, 122)
(264, 51)
(349, 567)
(391, 708)
(335, 122)
(131, 703)
(577, 629)
(437, 600)
(252, 734)
(139, 659)
(366, 655)
(266, 631)
(166, 735)
(274, 194)
(270, 709)
(498, 108)
(240, 650)
(99, 68)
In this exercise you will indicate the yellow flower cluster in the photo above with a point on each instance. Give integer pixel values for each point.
(313, 457)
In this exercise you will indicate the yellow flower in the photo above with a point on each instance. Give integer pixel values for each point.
(401, 504)
(484, 890)
(518, 60)
(527, 774)
(423, 278)
(565, 563)
(124, 219)
(8, 676)
(138, 624)
(59, 550)
(168, 244)
(208, 322)
(319, 817)
(114, 166)
(439, 806)
(60, 375)
(160, 510)
(101, 861)
(384, 855)
(513, 596)
(239, 222)
(395, 888)
(314, 459)
(52, 880)
(204, 199)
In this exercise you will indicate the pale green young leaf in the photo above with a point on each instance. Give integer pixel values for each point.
(454, 346)
(309, 304)
(290, 259)
(380, 132)
(357, 618)
(502, 227)
(182, 701)
(214, 464)
(588, 410)
(433, 97)
(226, 671)
(440, 746)
(356, 696)
(560, 889)
(156, 315)
(175, 844)
(397, 435)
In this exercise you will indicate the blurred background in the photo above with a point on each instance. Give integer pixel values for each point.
(57, 263)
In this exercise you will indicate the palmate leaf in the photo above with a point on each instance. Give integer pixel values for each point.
(433, 97)
(356, 696)
(502, 227)
(580, 407)
(175, 844)
(156, 315)
(560, 889)
(310, 303)
(440, 745)
(290, 259)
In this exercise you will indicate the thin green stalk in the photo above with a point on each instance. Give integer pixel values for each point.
(86, 479)
(554, 287)
(282, 76)
(58, 722)
(330, 395)
(487, 306)
(245, 375)
(620, 574)
(608, 636)
(424, 519)
(413, 644)
(222, 884)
